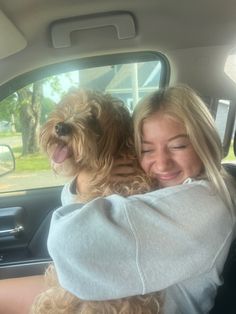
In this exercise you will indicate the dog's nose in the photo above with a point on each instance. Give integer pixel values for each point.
(62, 128)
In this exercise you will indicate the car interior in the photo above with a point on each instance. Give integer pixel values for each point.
(108, 45)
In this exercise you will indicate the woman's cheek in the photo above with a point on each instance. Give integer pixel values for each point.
(144, 164)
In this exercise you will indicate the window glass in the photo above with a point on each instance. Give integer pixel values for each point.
(230, 66)
(225, 125)
(221, 117)
(223, 112)
(23, 112)
(230, 70)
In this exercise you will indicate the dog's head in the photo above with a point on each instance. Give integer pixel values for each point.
(86, 131)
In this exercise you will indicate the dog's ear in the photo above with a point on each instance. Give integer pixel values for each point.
(93, 120)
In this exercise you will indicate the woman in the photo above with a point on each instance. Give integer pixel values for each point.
(175, 238)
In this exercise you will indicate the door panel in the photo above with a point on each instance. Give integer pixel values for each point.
(32, 210)
(12, 223)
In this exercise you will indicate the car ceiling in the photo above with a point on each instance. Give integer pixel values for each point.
(195, 36)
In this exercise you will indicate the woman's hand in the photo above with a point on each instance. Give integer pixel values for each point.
(122, 168)
(121, 171)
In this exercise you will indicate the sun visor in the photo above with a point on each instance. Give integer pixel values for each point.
(12, 40)
(123, 22)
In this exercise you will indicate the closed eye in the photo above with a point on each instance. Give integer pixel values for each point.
(179, 147)
(144, 151)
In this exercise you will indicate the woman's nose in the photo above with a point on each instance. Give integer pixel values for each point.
(162, 161)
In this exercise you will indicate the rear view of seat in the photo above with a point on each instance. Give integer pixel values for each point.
(225, 302)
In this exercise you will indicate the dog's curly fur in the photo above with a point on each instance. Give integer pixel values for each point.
(88, 131)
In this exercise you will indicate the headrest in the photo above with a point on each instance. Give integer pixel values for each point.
(230, 168)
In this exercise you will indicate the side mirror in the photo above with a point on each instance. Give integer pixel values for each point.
(7, 160)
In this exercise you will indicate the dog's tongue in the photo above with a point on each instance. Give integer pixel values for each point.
(60, 154)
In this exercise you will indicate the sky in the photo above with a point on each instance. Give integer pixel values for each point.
(67, 80)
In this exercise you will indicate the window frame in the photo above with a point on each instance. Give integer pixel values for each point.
(84, 63)
(25, 79)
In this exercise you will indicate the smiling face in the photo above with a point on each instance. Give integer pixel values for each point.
(167, 153)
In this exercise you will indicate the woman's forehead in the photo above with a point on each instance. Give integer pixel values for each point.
(162, 127)
(165, 119)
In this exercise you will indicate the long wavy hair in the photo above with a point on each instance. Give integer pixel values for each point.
(184, 104)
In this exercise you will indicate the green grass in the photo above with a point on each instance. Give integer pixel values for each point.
(9, 134)
(17, 150)
(230, 156)
(35, 162)
(38, 161)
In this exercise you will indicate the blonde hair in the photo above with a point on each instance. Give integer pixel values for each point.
(183, 103)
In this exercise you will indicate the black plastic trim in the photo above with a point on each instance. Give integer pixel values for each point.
(57, 68)
(24, 269)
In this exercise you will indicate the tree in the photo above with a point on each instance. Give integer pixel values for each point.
(29, 100)
(47, 106)
(27, 108)
(8, 108)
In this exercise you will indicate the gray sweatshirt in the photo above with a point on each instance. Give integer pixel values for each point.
(175, 238)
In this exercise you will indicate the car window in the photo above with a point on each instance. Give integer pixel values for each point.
(25, 110)
(225, 123)
(227, 111)
(223, 112)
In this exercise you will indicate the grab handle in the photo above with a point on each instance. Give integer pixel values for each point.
(61, 30)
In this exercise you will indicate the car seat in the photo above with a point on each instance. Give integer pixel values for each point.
(225, 301)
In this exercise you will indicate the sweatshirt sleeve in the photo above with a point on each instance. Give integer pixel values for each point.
(115, 247)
